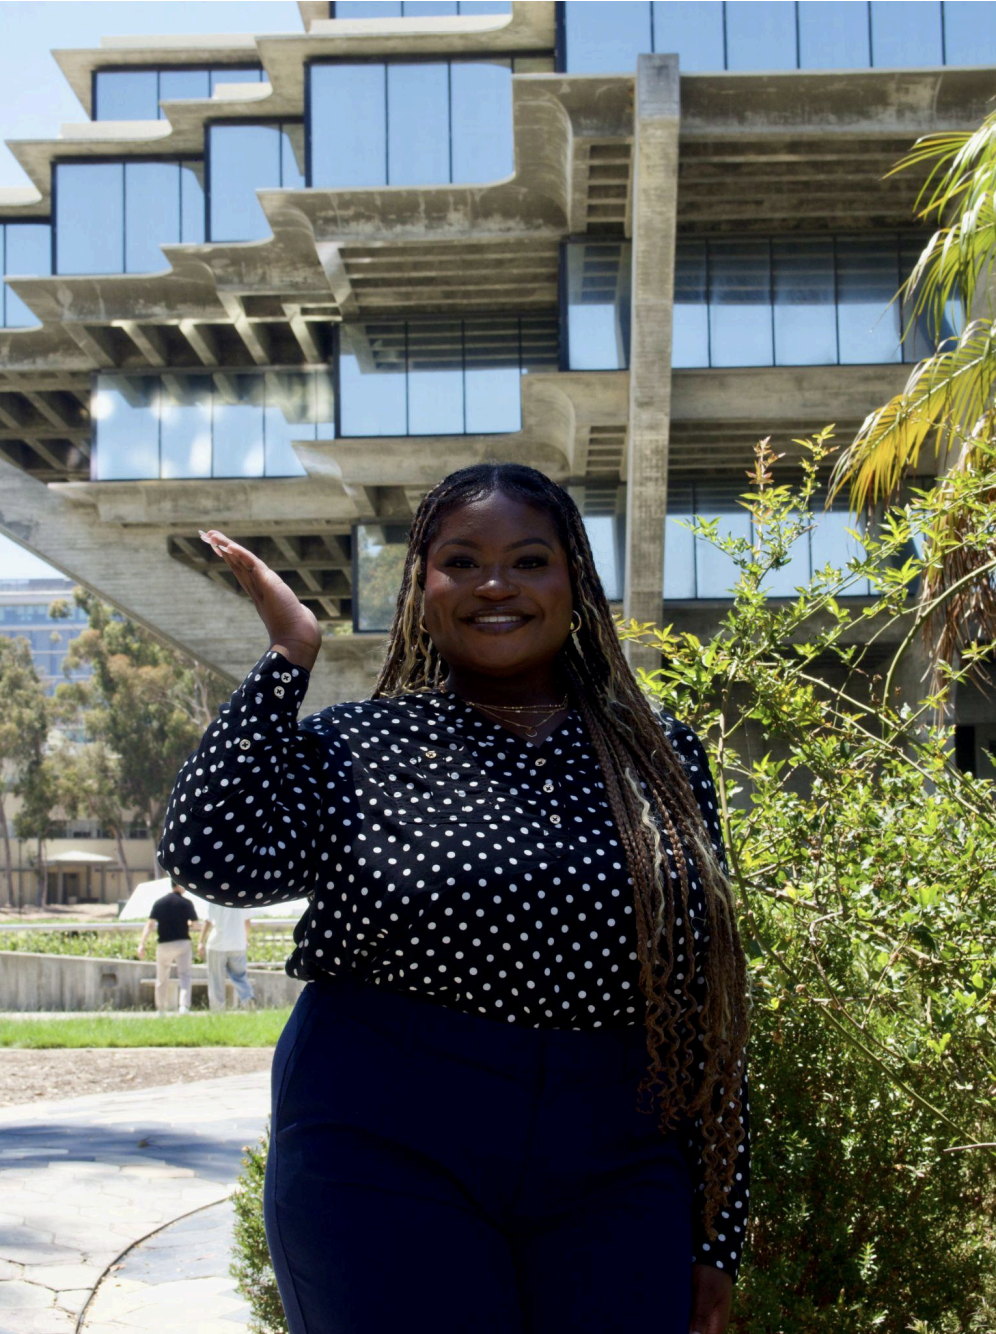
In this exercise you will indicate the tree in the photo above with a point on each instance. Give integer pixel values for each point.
(145, 704)
(38, 789)
(24, 722)
(948, 398)
(90, 785)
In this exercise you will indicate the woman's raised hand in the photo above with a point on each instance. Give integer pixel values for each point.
(292, 628)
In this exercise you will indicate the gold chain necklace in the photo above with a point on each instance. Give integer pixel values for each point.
(531, 730)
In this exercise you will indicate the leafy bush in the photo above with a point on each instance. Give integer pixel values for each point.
(271, 948)
(251, 1267)
(866, 867)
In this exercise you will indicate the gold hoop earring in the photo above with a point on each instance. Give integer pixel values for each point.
(575, 628)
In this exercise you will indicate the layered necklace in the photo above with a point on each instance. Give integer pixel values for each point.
(539, 714)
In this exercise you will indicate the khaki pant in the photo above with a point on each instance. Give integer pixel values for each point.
(173, 952)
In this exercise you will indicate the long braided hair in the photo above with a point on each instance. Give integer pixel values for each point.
(696, 1035)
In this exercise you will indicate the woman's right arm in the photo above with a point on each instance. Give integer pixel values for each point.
(246, 812)
(248, 808)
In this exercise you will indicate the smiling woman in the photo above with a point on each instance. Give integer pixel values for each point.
(516, 1080)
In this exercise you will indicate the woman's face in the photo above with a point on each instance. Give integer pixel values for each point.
(498, 598)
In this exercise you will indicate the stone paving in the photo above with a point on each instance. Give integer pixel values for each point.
(83, 1180)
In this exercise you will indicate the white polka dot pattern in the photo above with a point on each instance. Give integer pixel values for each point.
(442, 854)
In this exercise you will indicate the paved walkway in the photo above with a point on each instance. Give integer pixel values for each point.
(85, 1179)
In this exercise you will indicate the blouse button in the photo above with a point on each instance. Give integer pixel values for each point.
(285, 676)
(279, 692)
(555, 818)
(245, 743)
(540, 762)
(548, 786)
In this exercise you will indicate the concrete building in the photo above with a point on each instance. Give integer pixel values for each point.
(24, 614)
(280, 285)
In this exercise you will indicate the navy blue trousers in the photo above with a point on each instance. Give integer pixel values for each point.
(435, 1171)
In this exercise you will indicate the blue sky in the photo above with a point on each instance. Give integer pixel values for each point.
(35, 99)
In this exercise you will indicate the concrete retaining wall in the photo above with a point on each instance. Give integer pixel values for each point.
(65, 982)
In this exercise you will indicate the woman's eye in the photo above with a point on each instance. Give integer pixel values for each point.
(532, 562)
(459, 563)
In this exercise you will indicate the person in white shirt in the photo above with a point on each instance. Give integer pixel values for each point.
(226, 931)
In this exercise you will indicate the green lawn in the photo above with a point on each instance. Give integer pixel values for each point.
(257, 1028)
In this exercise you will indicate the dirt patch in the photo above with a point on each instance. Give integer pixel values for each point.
(27, 1075)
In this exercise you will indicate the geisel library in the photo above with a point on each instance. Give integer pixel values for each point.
(281, 284)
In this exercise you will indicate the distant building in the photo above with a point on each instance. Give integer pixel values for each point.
(24, 613)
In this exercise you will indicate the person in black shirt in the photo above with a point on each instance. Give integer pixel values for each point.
(172, 915)
(513, 1096)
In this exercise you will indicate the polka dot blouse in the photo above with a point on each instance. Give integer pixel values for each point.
(442, 855)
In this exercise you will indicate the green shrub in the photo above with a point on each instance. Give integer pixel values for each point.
(272, 948)
(251, 1267)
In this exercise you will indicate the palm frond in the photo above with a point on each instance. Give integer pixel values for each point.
(953, 386)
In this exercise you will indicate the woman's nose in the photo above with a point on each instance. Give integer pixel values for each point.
(496, 583)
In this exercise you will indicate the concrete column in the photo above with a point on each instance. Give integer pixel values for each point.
(655, 189)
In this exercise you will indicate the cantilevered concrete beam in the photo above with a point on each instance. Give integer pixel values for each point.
(654, 210)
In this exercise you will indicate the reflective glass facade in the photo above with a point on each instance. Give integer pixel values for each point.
(25, 251)
(112, 217)
(753, 301)
(411, 123)
(598, 278)
(241, 159)
(135, 94)
(24, 615)
(229, 424)
(440, 376)
(409, 9)
(775, 35)
(695, 569)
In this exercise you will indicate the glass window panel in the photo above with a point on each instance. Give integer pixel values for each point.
(412, 9)
(805, 319)
(380, 562)
(186, 426)
(290, 415)
(435, 378)
(176, 84)
(292, 155)
(679, 546)
(368, 9)
(481, 107)
(238, 426)
(152, 213)
(127, 95)
(717, 572)
(126, 412)
(690, 329)
(740, 303)
(28, 252)
(192, 203)
(606, 39)
(89, 217)
(760, 34)
(969, 33)
(233, 74)
(243, 159)
(492, 377)
(603, 537)
(484, 7)
(693, 29)
(867, 281)
(418, 124)
(833, 34)
(598, 305)
(372, 381)
(348, 125)
(906, 34)
(831, 544)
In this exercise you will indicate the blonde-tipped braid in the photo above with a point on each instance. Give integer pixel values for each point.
(695, 1037)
